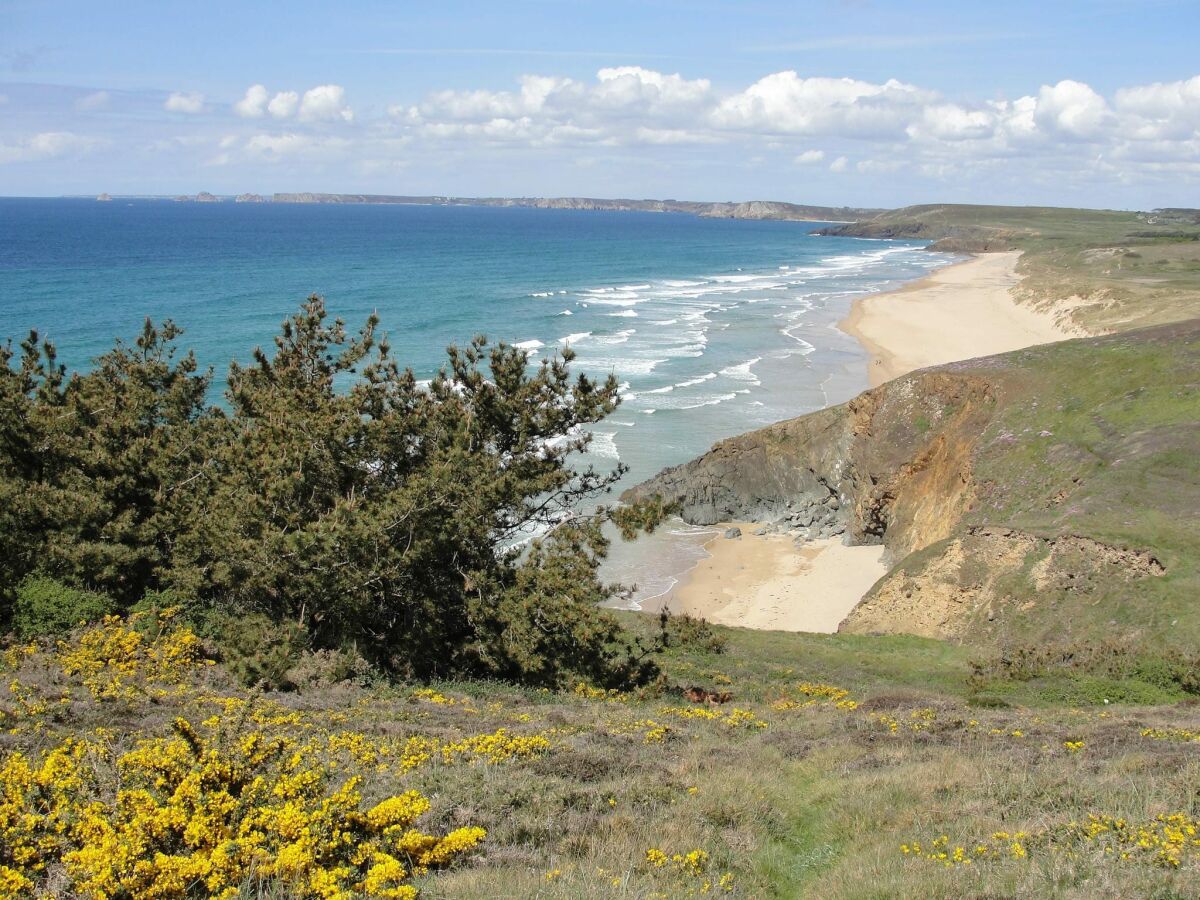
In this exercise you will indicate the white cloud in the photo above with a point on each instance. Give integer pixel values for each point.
(293, 144)
(633, 86)
(284, 104)
(1063, 132)
(192, 102)
(785, 103)
(1162, 110)
(326, 102)
(47, 145)
(92, 102)
(879, 166)
(1071, 109)
(951, 122)
(254, 104)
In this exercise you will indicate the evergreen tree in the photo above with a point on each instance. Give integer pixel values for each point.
(334, 493)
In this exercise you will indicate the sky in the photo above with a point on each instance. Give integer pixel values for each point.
(841, 102)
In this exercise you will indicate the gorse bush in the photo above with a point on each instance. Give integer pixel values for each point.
(330, 491)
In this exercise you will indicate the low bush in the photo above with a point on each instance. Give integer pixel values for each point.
(690, 633)
(257, 651)
(1105, 662)
(45, 606)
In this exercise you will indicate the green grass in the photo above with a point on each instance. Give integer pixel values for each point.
(1097, 439)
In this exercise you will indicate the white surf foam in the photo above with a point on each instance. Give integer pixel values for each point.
(604, 444)
(742, 371)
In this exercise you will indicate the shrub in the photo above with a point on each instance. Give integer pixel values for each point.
(45, 606)
(1102, 663)
(325, 668)
(257, 651)
(689, 633)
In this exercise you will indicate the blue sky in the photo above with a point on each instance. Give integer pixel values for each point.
(854, 102)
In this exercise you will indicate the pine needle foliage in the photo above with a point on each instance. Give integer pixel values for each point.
(331, 491)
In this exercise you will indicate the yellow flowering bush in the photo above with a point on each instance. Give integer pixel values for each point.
(692, 868)
(587, 692)
(815, 694)
(193, 814)
(1184, 735)
(917, 720)
(734, 718)
(114, 661)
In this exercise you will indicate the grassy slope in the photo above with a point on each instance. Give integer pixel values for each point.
(1096, 438)
(816, 803)
(1125, 269)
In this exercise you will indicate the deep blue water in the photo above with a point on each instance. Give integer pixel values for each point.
(714, 326)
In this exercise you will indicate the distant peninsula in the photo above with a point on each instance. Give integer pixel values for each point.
(749, 209)
(752, 209)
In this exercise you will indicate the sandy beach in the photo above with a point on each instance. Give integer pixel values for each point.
(959, 312)
(765, 581)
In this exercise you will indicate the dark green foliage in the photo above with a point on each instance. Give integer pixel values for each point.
(333, 493)
(257, 651)
(46, 607)
(690, 633)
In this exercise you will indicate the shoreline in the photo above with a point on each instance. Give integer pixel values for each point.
(766, 581)
(959, 311)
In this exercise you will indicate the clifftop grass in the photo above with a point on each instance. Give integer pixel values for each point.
(1098, 439)
(842, 766)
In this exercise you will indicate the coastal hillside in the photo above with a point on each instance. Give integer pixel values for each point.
(1099, 270)
(1048, 494)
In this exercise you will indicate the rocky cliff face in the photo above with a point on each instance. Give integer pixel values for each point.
(1052, 492)
(890, 466)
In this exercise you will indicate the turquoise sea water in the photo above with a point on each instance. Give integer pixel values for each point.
(713, 326)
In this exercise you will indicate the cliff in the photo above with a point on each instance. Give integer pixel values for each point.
(1050, 492)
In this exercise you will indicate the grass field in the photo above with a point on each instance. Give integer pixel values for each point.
(841, 766)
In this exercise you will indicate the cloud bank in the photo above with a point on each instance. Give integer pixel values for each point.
(892, 131)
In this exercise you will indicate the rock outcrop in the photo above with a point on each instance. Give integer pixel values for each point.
(890, 466)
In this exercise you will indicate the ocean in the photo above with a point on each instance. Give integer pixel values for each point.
(712, 326)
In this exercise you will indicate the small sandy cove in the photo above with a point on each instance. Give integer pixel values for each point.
(765, 581)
